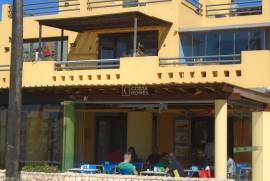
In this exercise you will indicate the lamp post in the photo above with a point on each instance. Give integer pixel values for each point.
(15, 94)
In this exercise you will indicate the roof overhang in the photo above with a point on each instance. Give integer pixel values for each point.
(227, 27)
(195, 93)
(118, 20)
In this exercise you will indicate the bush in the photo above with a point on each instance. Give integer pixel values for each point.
(45, 167)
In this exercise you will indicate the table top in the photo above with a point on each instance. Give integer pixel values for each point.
(191, 170)
(153, 173)
(82, 170)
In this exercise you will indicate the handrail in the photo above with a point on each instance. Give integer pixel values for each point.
(234, 9)
(4, 67)
(192, 60)
(93, 4)
(87, 64)
(196, 4)
(51, 7)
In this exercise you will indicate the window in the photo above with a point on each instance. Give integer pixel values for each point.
(50, 49)
(221, 45)
(121, 44)
(198, 44)
(241, 41)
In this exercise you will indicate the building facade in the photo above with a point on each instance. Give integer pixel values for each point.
(176, 74)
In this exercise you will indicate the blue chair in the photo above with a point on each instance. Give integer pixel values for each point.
(138, 165)
(125, 172)
(88, 166)
(109, 167)
(239, 168)
(193, 169)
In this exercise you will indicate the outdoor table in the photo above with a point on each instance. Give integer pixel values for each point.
(152, 173)
(81, 170)
(196, 172)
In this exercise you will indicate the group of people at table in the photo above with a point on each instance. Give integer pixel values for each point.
(164, 162)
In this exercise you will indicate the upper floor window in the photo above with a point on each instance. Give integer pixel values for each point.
(118, 45)
(50, 49)
(222, 45)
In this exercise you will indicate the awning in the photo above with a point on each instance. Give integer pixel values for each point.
(119, 20)
(185, 93)
(227, 27)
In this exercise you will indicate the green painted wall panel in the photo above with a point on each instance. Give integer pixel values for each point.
(68, 136)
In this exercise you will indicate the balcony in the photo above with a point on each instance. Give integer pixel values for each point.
(252, 70)
(234, 9)
(97, 4)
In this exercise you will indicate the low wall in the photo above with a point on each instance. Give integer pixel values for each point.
(29, 176)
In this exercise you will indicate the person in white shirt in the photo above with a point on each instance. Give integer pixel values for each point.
(231, 168)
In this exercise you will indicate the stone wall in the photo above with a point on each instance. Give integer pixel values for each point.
(28, 176)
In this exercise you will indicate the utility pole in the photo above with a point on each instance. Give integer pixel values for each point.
(15, 94)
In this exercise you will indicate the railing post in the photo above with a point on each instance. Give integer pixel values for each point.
(62, 44)
(135, 36)
(37, 57)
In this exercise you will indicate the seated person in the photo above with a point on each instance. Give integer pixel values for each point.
(127, 165)
(134, 156)
(164, 161)
(200, 160)
(154, 158)
(175, 165)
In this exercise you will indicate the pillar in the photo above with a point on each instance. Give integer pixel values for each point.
(221, 139)
(260, 139)
(68, 136)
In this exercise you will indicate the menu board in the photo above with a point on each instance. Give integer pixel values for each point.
(182, 139)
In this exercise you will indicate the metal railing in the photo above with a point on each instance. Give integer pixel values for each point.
(4, 68)
(201, 60)
(88, 64)
(234, 9)
(196, 5)
(93, 4)
(50, 7)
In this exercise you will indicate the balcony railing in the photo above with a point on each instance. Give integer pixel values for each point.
(93, 4)
(50, 7)
(201, 60)
(87, 64)
(4, 68)
(196, 5)
(234, 9)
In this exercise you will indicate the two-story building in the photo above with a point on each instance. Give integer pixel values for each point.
(176, 74)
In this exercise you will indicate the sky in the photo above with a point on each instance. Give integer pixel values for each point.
(25, 2)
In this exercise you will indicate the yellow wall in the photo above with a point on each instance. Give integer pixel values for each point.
(139, 132)
(146, 70)
(260, 139)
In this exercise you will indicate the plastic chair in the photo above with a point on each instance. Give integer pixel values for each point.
(239, 168)
(88, 166)
(193, 169)
(125, 172)
(110, 167)
(139, 165)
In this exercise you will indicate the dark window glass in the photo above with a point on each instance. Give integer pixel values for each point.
(186, 45)
(198, 44)
(212, 43)
(41, 134)
(121, 45)
(241, 41)
(227, 45)
(256, 40)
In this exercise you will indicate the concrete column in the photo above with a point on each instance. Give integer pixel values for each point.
(221, 139)
(68, 136)
(261, 140)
